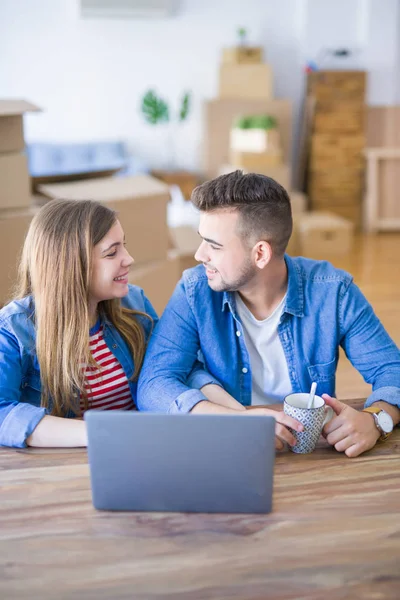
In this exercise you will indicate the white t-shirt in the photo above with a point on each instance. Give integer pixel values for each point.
(270, 373)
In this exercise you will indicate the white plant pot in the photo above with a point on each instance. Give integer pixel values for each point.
(254, 140)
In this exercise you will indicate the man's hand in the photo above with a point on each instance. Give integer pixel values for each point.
(350, 431)
(283, 421)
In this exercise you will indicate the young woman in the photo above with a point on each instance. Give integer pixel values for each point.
(74, 337)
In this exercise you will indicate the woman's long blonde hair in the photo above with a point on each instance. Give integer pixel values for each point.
(55, 268)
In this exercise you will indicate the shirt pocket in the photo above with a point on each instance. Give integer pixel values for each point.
(323, 372)
(31, 387)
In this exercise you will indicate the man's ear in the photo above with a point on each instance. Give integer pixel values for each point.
(262, 253)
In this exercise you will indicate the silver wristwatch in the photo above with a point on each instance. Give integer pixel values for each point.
(383, 421)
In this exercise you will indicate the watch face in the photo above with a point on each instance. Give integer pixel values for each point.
(385, 422)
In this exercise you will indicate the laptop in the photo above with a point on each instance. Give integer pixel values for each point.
(187, 463)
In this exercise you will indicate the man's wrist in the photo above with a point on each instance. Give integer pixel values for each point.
(392, 410)
(376, 429)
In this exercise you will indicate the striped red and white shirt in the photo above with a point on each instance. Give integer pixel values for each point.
(107, 387)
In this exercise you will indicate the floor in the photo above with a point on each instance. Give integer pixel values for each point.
(375, 266)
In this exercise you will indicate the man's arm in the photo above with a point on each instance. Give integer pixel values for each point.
(374, 354)
(170, 357)
(369, 347)
(283, 421)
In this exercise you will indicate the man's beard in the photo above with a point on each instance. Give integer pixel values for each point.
(247, 272)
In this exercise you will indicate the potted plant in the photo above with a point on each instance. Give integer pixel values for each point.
(156, 111)
(255, 133)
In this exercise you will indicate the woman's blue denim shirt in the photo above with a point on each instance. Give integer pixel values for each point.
(20, 386)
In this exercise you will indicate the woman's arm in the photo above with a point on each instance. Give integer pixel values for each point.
(57, 432)
(217, 395)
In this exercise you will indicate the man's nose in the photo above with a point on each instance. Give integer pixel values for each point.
(201, 255)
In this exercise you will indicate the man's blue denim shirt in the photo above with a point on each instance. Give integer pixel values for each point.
(20, 385)
(324, 310)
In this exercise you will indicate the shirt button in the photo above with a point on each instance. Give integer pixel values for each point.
(114, 346)
(244, 370)
(238, 333)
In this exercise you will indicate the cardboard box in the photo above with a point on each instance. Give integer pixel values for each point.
(293, 247)
(345, 117)
(299, 202)
(158, 280)
(254, 140)
(330, 151)
(184, 241)
(15, 186)
(324, 234)
(331, 185)
(256, 162)
(351, 212)
(186, 180)
(337, 85)
(141, 204)
(11, 124)
(246, 81)
(239, 55)
(13, 228)
(219, 118)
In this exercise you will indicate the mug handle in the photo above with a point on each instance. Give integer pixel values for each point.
(329, 414)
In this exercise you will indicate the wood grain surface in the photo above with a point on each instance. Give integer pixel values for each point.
(334, 533)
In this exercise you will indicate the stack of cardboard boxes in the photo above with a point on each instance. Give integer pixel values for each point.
(141, 204)
(246, 88)
(15, 198)
(336, 163)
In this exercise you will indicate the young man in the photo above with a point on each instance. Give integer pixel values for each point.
(266, 324)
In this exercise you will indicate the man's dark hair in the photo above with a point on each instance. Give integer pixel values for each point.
(263, 205)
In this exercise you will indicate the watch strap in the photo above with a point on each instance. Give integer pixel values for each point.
(374, 410)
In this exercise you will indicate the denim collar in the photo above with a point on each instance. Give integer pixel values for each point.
(295, 292)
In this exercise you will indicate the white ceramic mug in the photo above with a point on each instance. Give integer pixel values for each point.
(313, 419)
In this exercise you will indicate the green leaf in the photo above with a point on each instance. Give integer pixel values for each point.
(185, 106)
(243, 123)
(256, 122)
(155, 109)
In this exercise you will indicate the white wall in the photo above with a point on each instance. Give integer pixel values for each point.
(89, 75)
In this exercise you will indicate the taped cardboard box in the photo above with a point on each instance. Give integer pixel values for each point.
(256, 162)
(238, 55)
(158, 280)
(252, 81)
(11, 124)
(140, 202)
(15, 189)
(323, 235)
(13, 228)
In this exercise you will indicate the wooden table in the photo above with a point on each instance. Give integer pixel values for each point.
(334, 533)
